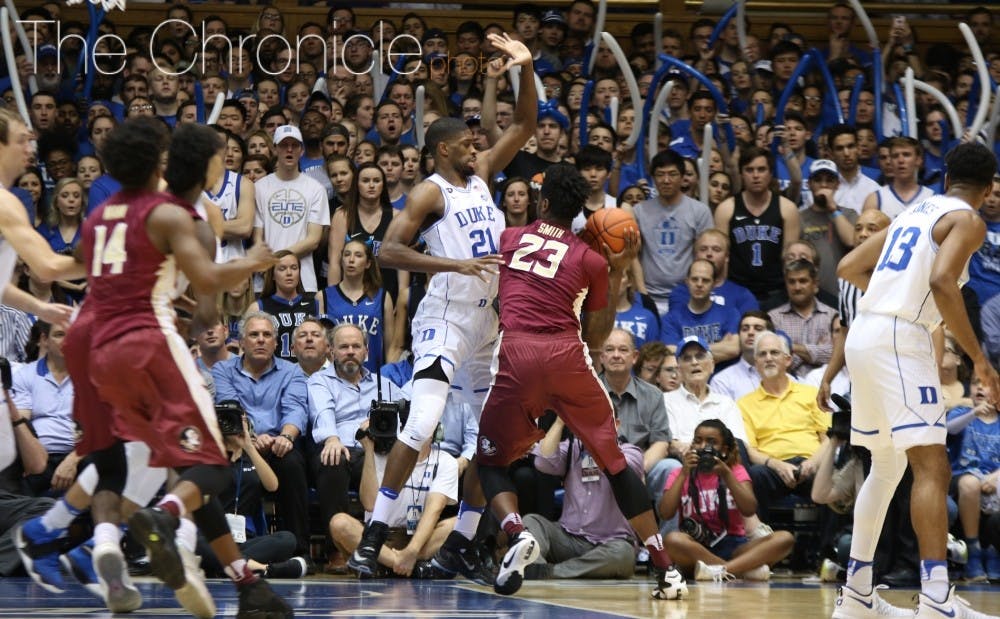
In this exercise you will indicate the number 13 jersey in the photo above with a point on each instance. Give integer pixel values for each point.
(900, 283)
(548, 276)
(469, 228)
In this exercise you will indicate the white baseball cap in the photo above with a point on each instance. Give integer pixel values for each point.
(287, 131)
(823, 165)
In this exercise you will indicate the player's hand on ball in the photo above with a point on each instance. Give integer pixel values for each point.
(482, 267)
(620, 260)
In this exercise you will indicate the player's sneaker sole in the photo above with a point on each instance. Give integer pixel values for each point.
(194, 595)
(43, 567)
(112, 575)
(523, 552)
(156, 530)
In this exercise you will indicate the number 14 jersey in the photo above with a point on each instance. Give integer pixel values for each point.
(900, 283)
(548, 276)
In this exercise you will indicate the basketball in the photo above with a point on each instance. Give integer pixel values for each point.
(608, 226)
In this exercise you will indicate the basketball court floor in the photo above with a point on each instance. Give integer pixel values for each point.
(553, 599)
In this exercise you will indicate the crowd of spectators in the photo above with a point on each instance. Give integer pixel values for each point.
(732, 311)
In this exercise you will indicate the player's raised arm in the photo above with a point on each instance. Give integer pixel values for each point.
(31, 247)
(525, 110)
(857, 266)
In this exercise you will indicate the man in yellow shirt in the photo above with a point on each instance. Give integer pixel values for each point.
(785, 428)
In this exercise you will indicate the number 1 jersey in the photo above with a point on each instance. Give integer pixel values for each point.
(900, 283)
(548, 276)
(130, 283)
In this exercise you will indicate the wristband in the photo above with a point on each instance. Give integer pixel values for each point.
(19, 422)
(288, 438)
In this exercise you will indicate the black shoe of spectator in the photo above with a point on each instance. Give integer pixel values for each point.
(364, 559)
(458, 555)
(259, 601)
(293, 568)
(538, 571)
(901, 577)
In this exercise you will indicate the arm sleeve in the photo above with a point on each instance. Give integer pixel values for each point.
(224, 387)
(20, 390)
(295, 401)
(319, 209)
(554, 464)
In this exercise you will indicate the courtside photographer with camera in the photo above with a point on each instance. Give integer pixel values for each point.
(714, 495)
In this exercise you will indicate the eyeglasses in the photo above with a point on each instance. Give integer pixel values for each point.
(812, 98)
(146, 107)
(698, 356)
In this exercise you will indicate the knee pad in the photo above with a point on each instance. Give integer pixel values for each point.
(143, 481)
(211, 520)
(495, 480)
(426, 408)
(112, 468)
(630, 493)
(88, 480)
(210, 479)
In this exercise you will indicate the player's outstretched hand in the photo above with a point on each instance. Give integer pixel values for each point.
(262, 256)
(517, 53)
(482, 267)
(987, 376)
(823, 396)
(56, 314)
(621, 260)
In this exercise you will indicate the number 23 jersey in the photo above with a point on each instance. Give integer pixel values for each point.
(900, 283)
(548, 276)
(469, 228)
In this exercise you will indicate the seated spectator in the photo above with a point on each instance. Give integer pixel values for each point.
(741, 378)
(273, 392)
(976, 472)
(650, 359)
(805, 319)
(311, 346)
(714, 494)
(713, 245)
(460, 424)
(592, 538)
(43, 393)
(268, 553)
(339, 400)
(636, 313)
(668, 376)
(640, 408)
(415, 530)
(700, 316)
(785, 428)
(212, 347)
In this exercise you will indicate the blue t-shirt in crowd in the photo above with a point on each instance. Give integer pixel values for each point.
(715, 323)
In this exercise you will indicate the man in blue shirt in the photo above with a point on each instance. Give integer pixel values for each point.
(716, 324)
(339, 399)
(713, 245)
(273, 392)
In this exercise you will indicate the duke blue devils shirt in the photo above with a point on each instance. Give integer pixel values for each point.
(366, 313)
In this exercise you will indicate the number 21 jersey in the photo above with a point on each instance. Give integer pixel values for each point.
(900, 283)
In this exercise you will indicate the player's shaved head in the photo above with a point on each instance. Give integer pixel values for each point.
(133, 150)
(565, 190)
(444, 130)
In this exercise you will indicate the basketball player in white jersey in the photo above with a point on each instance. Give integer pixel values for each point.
(455, 326)
(911, 273)
(18, 236)
(905, 190)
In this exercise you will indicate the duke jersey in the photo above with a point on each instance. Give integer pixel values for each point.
(366, 313)
(900, 284)
(892, 205)
(131, 283)
(757, 243)
(547, 275)
(228, 200)
(289, 314)
(469, 228)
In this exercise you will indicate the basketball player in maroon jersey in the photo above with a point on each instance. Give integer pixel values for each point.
(547, 276)
(137, 245)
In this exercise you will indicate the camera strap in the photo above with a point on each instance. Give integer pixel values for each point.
(694, 492)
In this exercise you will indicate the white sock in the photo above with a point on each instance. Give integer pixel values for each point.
(107, 533)
(934, 579)
(888, 466)
(468, 520)
(187, 535)
(59, 516)
(176, 500)
(384, 501)
(654, 541)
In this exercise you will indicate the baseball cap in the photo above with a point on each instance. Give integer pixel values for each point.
(553, 16)
(47, 50)
(691, 339)
(287, 131)
(823, 165)
(763, 65)
(474, 121)
(246, 93)
(433, 33)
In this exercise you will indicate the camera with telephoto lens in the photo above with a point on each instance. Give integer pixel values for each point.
(384, 420)
(697, 531)
(707, 459)
(840, 424)
(230, 416)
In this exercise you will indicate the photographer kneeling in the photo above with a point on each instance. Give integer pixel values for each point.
(415, 532)
(714, 494)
